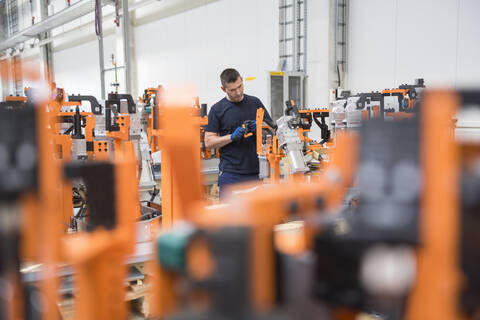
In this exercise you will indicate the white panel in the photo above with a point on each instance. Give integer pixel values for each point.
(75, 76)
(266, 47)
(426, 41)
(195, 46)
(433, 39)
(33, 63)
(218, 53)
(317, 52)
(371, 55)
(468, 68)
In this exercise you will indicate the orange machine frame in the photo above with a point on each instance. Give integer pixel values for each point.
(16, 98)
(403, 92)
(153, 140)
(261, 210)
(99, 258)
(435, 295)
(40, 212)
(272, 152)
(123, 135)
(65, 143)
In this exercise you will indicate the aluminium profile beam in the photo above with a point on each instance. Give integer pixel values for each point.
(66, 15)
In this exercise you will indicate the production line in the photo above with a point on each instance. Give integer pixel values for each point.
(370, 234)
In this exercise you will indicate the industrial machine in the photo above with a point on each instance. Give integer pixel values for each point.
(102, 250)
(289, 137)
(30, 209)
(406, 248)
(400, 253)
(349, 111)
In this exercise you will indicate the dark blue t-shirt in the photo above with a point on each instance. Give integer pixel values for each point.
(224, 117)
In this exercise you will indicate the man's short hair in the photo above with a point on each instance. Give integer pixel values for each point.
(228, 76)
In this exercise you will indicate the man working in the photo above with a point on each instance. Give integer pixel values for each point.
(238, 155)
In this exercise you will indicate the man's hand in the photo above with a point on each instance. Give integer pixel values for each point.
(237, 135)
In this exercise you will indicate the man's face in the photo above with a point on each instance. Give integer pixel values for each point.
(234, 90)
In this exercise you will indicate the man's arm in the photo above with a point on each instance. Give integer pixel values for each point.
(213, 140)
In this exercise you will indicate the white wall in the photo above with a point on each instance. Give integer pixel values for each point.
(32, 61)
(197, 45)
(317, 52)
(77, 68)
(394, 41)
(180, 42)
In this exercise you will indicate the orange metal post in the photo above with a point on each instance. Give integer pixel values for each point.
(181, 188)
(119, 137)
(65, 143)
(99, 258)
(178, 143)
(89, 129)
(436, 291)
(274, 155)
(259, 120)
(50, 209)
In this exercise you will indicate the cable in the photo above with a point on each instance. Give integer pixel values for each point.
(117, 15)
(97, 17)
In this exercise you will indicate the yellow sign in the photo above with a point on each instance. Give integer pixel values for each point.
(276, 73)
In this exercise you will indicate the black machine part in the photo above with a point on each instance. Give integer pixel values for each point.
(271, 124)
(470, 224)
(77, 125)
(372, 96)
(325, 133)
(94, 105)
(203, 110)
(18, 151)
(339, 280)
(11, 104)
(389, 181)
(386, 217)
(248, 125)
(291, 109)
(155, 112)
(117, 97)
(18, 175)
(99, 179)
(401, 101)
(295, 284)
(229, 286)
(470, 241)
(111, 106)
(412, 92)
(9, 253)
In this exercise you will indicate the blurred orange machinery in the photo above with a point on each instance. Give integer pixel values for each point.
(268, 144)
(258, 212)
(99, 258)
(30, 210)
(226, 257)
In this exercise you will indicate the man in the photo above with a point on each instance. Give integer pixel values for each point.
(238, 155)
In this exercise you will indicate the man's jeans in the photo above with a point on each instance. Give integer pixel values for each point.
(227, 178)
